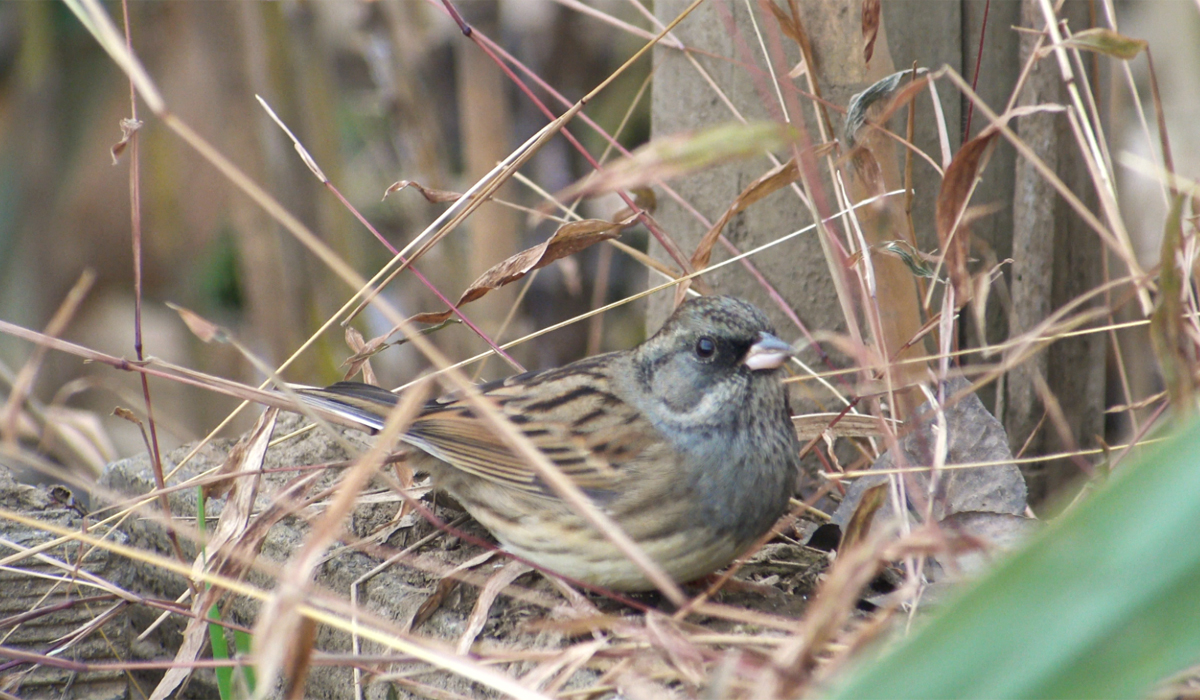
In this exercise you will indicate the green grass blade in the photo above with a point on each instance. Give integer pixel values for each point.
(220, 650)
(242, 641)
(216, 632)
(1104, 603)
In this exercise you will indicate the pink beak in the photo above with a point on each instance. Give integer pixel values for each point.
(768, 353)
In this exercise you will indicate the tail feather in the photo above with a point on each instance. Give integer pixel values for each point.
(361, 404)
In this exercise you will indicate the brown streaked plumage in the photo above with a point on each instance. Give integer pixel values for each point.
(686, 441)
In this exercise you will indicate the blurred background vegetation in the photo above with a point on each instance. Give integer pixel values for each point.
(378, 92)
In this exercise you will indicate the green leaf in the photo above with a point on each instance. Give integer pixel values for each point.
(681, 154)
(243, 641)
(1107, 42)
(1104, 603)
(220, 650)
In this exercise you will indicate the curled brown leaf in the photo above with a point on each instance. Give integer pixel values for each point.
(859, 525)
(871, 12)
(201, 327)
(569, 239)
(361, 359)
(789, 24)
(955, 192)
(773, 180)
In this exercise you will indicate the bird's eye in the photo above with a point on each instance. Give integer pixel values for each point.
(705, 348)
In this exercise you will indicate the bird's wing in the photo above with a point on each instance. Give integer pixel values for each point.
(587, 432)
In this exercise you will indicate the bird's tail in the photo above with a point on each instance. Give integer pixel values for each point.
(359, 404)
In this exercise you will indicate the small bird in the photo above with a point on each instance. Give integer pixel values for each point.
(685, 441)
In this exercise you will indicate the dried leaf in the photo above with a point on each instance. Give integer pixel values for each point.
(866, 171)
(1107, 42)
(232, 463)
(861, 103)
(973, 436)
(679, 154)
(1172, 346)
(194, 637)
(789, 24)
(354, 339)
(871, 12)
(434, 602)
(446, 585)
(849, 425)
(496, 584)
(957, 185)
(243, 468)
(201, 327)
(773, 180)
(364, 353)
(305, 156)
(361, 359)
(237, 539)
(127, 415)
(129, 127)
(933, 322)
(435, 196)
(859, 525)
(432, 317)
(243, 546)
(567, 240)
(244, 460)
(982, 283)
(299, 659)
(643, 198)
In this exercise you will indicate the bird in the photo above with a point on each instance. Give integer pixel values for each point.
(685, 441)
